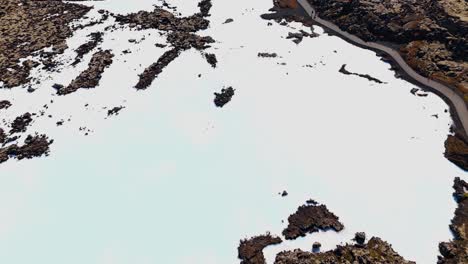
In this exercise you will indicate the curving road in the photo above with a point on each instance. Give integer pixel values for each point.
(455, 100)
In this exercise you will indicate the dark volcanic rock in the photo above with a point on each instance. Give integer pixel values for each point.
(367, 76)
(224, 97)
(186, 40)
(90, 77)
(375, 251)
(4, 104)
(251, 250)
(150, 73)
(20, 123)
(163, 20)
(114, 110)
(267, 55)
(311, 218)
(316, 246)
(205, 6)
(229, 20)
(299, 36)
(180, 34)
(34, 146)
(84, 49)
(27, 27)
(360, 237)
(3, 136)
(211, 59)
(456, 251)
(431, 35)
(456, 150)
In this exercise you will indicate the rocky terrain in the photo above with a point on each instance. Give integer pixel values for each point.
(431, 35)
(224, 96)
(366, 76)
(374, 251)
(34, 33)
(431, 38)
(311, 218)
(456, 251)
(34, 146)
(180, 34)
(27, 27)
(96, 39)
(251, 250)
(90, 77)
(456, 150)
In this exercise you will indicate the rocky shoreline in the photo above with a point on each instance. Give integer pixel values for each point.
(180, 34)
(374, 251)
(250, 251)
(40, 29)
(345, 14)
(432, 40)
(310, 218)
(27, 27)
(90, 77)
(456, 251)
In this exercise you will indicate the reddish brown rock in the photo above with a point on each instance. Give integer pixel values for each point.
(90, 77)
(311, 218)
(375, 251)
(431, 35)
(34, 146)
(84, 49)
(180, 34)
(251, 250)
(286, 3)
(30, 26)
(456, 150)
(152, 72)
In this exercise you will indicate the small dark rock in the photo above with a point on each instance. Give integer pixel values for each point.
(229, 20)
(224, 97)
(267, 55)
(316, 246)
(211, 59)
(114, 111)
(57, 86)
(4, 104)
(360, 237)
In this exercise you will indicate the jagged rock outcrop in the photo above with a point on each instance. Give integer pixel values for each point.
(375, 251)
(456, 150)
(224, 96)
(311, 218)
(34, 146)
(20, 123)
(250, 251)
(95, 39)
(432, 35)
(180, 34)
(456, 251)
(27, 27)
(90, 77)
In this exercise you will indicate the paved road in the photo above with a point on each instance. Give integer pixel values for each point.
(455, 99)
